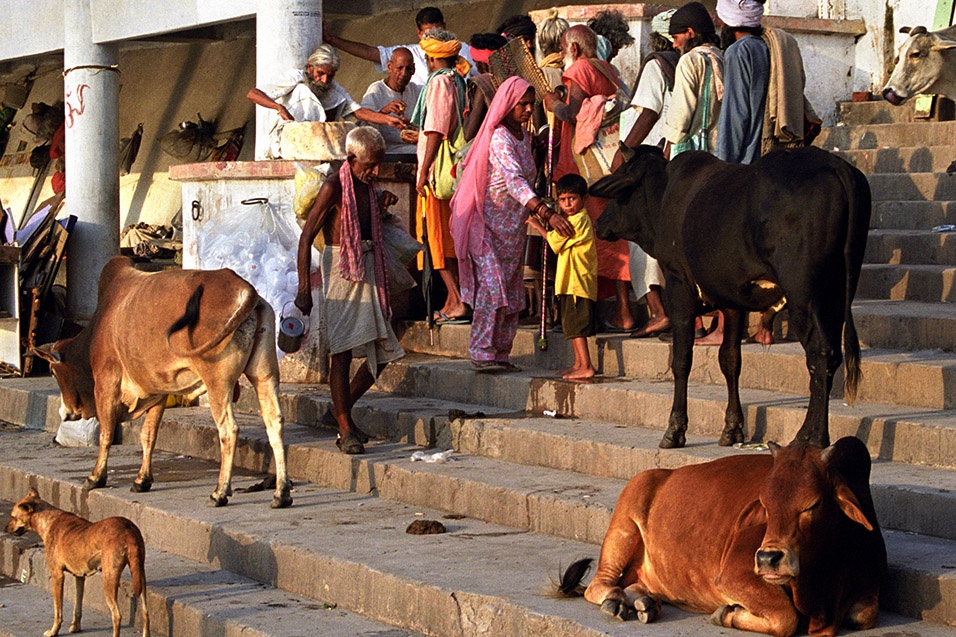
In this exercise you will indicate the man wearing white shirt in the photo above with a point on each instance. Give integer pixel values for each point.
(426, 19)
(395, 94)
(313, 95)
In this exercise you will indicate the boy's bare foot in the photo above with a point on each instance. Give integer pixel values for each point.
(565, 371)
(579, 374)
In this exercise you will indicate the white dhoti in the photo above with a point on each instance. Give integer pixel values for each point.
(644, 270)
(352, 314)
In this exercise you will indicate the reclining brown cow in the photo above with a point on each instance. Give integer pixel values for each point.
(179, 332)
(761, 542)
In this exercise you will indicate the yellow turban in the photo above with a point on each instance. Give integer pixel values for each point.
(447, 49)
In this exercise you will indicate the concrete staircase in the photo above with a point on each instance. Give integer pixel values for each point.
(526, 493)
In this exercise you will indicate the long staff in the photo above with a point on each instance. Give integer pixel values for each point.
(549, 169)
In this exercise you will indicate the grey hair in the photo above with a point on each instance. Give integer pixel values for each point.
(550, 31)
(439, 34)
(584, 37)
(363, 141)
(325, 55)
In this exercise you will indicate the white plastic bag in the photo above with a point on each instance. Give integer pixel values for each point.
(78, 433)
(432, 456)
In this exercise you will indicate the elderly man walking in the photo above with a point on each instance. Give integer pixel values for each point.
(313, 95)
(585, 77)
(355, 311)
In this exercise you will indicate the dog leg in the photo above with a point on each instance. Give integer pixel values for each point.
(147, 438)
(111, 578)
(56, 583)
(78, 607)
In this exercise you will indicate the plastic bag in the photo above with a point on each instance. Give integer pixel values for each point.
(259, 242)
(308, 182)
(398, 240)
(432, 456)
(78, 433)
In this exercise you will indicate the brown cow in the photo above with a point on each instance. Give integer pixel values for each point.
(141, 346)
(759, 541)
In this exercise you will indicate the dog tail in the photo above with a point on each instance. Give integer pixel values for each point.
(136, 554)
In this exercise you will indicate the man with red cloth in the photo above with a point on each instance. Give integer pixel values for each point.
(586, 76)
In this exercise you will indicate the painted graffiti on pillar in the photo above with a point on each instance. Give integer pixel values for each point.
(72, 110)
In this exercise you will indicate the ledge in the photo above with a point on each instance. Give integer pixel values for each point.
(272, 169)
(581, 13)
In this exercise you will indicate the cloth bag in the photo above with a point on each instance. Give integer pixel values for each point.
(400, 248)
(698, 141)
(594, 162)
(443, 176)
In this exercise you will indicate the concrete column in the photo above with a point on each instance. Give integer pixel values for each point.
(287, 31)
(90, 92)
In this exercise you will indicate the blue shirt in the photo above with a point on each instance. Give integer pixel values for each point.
(746, 77)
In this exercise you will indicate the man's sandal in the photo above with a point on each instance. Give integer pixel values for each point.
(350, 444)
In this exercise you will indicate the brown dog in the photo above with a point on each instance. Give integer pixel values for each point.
(81, 548)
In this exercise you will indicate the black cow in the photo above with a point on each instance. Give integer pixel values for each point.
(791, 228)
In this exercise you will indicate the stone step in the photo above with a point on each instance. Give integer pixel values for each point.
(916, 378)
(905, 325)
(350, 549)
(929, 283)
(912, 186)
(908, 498)
(28, 612)
(877, 136)
(879, 111)
(186, 598)
(912, 215)
(912, 247)
(920, 159)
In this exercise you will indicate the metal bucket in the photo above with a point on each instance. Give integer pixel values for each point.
(291, 331)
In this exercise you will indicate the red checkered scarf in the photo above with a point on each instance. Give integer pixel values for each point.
(351, 259)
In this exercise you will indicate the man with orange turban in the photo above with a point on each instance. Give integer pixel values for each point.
(438, 116)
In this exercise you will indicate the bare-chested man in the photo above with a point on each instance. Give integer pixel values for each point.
(355, 308)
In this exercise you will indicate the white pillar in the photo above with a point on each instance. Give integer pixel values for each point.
(287, 31)
(91, 93)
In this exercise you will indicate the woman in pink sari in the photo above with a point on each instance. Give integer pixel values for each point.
(489, 211)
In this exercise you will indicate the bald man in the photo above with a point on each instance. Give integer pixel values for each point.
(396, 95)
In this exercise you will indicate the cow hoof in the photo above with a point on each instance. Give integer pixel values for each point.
(646, 609)
(615, 608)
(647, 616)
(281, 501)
(142, 486)
(672, 440)
(731, 436)
(92, 483)
(218, 500)
(719, 615)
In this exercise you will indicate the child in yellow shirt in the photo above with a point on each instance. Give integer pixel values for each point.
(575, 282)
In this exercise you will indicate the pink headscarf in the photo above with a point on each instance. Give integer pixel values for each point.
(468, 202)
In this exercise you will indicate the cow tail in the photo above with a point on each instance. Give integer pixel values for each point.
(248, 299)
(569, 584)
(859, 203)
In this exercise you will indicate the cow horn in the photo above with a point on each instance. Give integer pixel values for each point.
(905, 29)
(918, 31)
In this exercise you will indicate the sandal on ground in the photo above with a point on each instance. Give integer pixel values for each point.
(613, 329)
(350, 444)
(508, 367)
(443, 319)
(485, 366)
(646, 333)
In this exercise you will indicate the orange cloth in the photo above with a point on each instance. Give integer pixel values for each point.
(612, 255)
(438, 219)
(449, 49)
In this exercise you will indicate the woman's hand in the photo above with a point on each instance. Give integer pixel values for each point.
(560, 225)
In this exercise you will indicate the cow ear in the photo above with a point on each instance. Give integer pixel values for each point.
(905, 29)
(46, 353)
(773, 447)
(753, 515)
(942, 45)
(850, 505)
(33, 493)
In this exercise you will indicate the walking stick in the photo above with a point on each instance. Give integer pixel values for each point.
(549, 168)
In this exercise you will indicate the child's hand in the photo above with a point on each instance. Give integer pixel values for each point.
(534, 223)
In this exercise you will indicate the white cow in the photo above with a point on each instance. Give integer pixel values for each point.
(926, 64)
